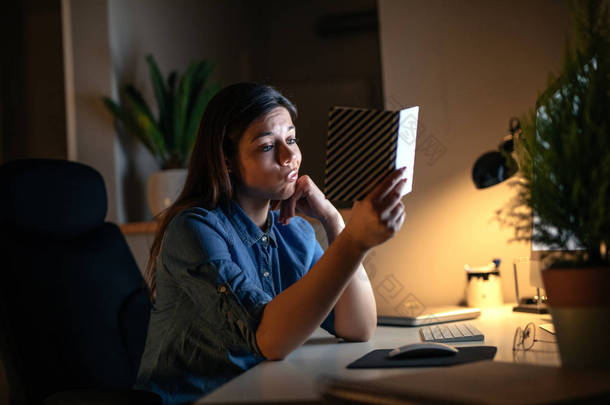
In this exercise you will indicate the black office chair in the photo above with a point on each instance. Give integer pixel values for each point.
(74, 308)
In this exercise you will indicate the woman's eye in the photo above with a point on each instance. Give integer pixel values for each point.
(267, 148)
(292, 140)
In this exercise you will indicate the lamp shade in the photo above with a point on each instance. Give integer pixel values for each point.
(494, 167)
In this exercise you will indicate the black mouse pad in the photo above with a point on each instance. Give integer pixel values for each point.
(377, 358)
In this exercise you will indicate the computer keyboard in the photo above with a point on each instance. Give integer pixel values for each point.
(455, 332)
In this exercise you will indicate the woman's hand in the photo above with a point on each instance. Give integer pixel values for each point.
(308, 199)
(380, 214)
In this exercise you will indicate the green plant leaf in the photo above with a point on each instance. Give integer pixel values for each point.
(201, 103)
(150, 128)
(125, 118)
(161, 94)
(185, 90)
(135, 97)
(167, 126)
(171, 82)
(204, 69)
(181, 101)
(198, 100)
(202, 72)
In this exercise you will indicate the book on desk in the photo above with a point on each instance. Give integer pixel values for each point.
(392, 317)
(484, 382)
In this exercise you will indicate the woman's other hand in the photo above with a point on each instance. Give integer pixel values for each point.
(308, 199)
(380, 214)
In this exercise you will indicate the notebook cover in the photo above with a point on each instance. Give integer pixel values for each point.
(377, 358)
(363, 146)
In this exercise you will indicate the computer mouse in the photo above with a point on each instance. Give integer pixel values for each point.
(422, 350)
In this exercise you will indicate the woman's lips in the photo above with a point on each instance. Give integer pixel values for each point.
(292, 176)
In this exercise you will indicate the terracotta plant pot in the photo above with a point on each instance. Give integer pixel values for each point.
(579, 301)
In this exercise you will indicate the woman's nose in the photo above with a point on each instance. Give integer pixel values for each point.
(287, 155)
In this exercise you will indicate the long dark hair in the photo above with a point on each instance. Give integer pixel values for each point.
(209, 183)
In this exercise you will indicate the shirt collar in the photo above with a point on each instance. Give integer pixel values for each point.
(247, 230)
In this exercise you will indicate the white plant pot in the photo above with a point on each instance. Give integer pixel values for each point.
(163, 187)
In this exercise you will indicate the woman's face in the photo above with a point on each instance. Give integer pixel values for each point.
(269, 157)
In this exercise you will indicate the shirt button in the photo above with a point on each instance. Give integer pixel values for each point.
(222, 289)
(264, 238)
(266, 274)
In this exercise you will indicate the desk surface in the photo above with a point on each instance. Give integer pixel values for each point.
(296, 378)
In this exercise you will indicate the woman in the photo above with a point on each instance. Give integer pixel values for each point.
(236, 282)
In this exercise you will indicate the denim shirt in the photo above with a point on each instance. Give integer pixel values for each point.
(216, 271)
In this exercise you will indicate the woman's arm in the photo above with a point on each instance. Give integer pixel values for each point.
(355, 311)
(290, 318)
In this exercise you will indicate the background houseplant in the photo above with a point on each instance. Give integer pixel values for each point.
(170, 133)
(564, 158)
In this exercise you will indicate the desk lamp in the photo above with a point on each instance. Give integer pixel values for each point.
(492, 168)
(496, 166)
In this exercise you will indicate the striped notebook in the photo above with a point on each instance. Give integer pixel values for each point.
(363, 146)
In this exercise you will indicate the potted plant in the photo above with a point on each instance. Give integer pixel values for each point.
(170, 133)
(564, 159)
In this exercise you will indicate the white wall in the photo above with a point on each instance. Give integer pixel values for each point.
(470, 65)
(91, 138)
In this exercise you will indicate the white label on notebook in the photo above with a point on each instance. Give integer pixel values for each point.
(407, 139)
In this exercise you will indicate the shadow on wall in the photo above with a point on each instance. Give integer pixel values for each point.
(131, 179)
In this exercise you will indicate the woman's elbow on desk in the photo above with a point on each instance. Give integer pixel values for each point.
(269, 349)
(274, 356)
(355, 335)
(269, 353)
(275, 353)
(356, 320)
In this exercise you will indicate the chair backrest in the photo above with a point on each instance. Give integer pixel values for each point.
(74, 300)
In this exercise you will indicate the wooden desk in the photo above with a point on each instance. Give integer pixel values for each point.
(134, 228)
(296, 378)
